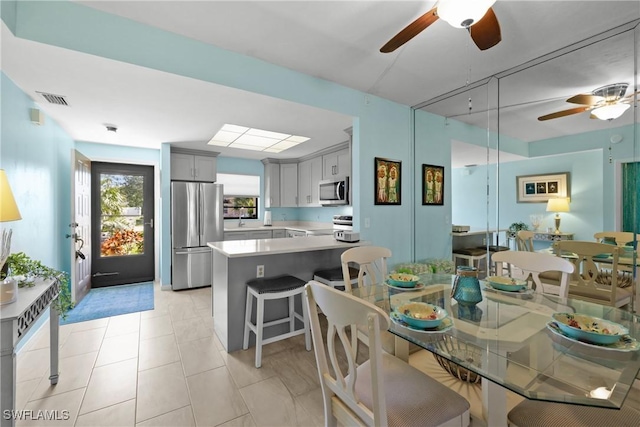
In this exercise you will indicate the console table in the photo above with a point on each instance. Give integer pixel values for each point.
(17, 319)
(551, 237)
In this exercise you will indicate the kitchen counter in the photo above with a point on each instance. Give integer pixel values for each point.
(309, 227)
(248, 248)
(235, 262)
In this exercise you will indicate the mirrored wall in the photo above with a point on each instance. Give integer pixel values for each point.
(526, 135)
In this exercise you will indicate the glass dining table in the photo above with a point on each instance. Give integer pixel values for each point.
(510, 341)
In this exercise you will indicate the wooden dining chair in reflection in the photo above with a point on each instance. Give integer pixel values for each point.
(620, 238)
(531, 265)
(597, 275)
(383, 390)
(524, 240)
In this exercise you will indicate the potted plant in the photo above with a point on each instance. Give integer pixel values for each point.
(25, 270)
(515, 227)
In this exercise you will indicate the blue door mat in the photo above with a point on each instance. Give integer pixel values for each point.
(112, 301)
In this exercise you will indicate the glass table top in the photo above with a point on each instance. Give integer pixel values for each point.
(507, 338)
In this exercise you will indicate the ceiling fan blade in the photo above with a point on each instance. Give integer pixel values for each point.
(585, 99)
(410, 31)
(564, 113)
(486, 32)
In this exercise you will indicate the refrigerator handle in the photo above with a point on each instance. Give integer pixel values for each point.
(201, 202)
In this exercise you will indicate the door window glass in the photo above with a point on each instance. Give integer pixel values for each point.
(121, 220)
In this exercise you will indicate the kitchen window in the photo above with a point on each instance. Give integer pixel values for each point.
(241, 195)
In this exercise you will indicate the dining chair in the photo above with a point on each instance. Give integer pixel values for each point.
(524, 240)
(383, 390)
(597, 275)
(532, 264)
(620, 238)
(371, 263)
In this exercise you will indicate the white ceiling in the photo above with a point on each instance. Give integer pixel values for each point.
(333, 40)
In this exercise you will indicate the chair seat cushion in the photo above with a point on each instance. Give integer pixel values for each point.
(495, 248)
(471, 251)
(600, 293)
(276, 284)
(413, 398)
(335, 274)
(535, 413)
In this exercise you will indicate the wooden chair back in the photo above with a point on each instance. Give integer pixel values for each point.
(338, 386)
(524, 240)
(371, 262)
(594, 261)
(534, 263)
(620, 237)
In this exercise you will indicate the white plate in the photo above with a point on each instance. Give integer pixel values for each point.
(417, 287)
(525, 291)
(445, 325)
(626, 343)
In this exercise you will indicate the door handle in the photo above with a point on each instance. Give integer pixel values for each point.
(150, 223)
(192, 252)
(98, 274)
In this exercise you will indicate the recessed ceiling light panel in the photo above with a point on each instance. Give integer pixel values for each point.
(245, 138)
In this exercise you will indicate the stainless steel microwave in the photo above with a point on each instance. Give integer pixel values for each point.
(334, 191)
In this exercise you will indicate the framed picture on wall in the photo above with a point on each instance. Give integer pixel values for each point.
(432, 185)
(387, 181)
(540, 188)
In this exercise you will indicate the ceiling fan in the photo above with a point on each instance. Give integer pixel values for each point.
(476, 16)
(605, 103)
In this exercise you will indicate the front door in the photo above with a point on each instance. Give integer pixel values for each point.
(122, 224)
(80, 226)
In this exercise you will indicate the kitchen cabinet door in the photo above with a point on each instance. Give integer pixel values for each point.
(236, 235)
(271, 185)
(309, 176)
(262, 234)
(278, 234)
(289, 185)
(190, 167)
(336, 164)
(204, 168)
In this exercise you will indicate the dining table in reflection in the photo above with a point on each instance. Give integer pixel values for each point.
(508, 339)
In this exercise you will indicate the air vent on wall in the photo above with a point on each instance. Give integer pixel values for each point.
(54, 99)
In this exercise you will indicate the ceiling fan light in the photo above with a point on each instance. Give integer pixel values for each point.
(610, 112)
(463, 13)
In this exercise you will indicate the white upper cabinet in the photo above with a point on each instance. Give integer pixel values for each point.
(288, 185)
(271, 184)
(336, 164)
(309, 176)
(193, 167)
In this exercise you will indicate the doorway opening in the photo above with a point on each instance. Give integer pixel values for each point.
(122, 219)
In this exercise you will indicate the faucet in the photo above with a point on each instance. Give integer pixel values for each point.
(240, 221)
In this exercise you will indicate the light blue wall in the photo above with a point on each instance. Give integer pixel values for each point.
(37, 160)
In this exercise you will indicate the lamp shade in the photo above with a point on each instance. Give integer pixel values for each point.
(610, 112)
(8, 208)
(463, 13)
(560, 204)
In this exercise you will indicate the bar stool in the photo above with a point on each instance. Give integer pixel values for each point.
(334, 278)
(471, 255)
(492, 250)
(273, 288)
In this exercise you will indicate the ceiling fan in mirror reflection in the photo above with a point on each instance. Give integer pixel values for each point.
(605, 103)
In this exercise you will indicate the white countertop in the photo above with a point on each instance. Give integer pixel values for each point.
(475, 232)
(247, 248)
(278, 225)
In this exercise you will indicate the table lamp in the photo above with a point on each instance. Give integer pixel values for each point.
(8, 212)
(558, 205)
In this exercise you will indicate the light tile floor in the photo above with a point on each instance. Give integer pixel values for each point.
(165, 367)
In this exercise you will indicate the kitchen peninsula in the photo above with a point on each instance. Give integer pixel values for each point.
(236, 262)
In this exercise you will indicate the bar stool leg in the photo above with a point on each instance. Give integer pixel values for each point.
(292, 317)
(259, 327)
(247, 319)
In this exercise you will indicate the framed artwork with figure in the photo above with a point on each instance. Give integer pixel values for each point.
(387, 181)
(432, 185)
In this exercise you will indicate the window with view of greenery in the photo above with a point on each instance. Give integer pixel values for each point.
(234, 207)
(121, 225)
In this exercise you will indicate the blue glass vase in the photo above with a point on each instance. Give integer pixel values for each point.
(466, 286)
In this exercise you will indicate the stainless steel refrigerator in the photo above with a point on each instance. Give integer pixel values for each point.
(196, 218)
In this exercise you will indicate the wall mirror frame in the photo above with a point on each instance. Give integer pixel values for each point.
(496, 120)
